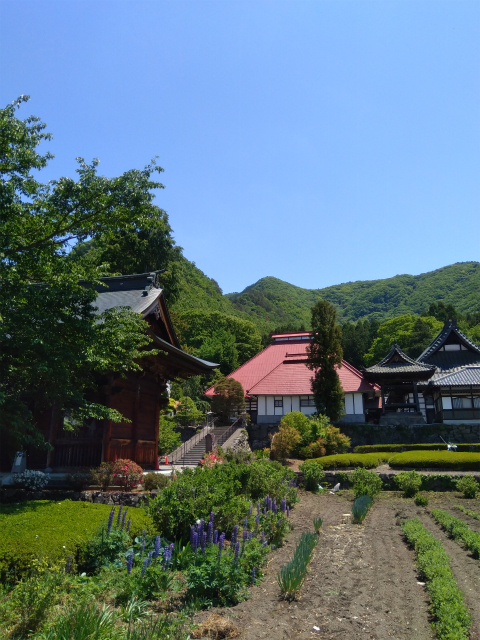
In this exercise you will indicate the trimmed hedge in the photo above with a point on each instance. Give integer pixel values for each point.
(452, 618)
(342, 460)
(53, 530)
(378, 448)
(458, 530)
(436, 459)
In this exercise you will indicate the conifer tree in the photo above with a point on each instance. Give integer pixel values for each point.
(325, 354)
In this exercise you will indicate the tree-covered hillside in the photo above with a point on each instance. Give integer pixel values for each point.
(270, 302)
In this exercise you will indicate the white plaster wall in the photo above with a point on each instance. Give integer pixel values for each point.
(295, 403)
(261, 406)
(270, 406)
(358, 401)
(349, 406)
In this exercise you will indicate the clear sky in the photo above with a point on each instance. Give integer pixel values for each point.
(315, 141)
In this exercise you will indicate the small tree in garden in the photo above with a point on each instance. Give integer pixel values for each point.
(103, 475)
(229, 397)
(284, 442)
(127, 474)
(168, 437)
(187, 413)
(325, 355)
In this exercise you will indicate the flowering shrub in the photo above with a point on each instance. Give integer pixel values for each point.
(33, 480)
(127, 474)
(211, 459)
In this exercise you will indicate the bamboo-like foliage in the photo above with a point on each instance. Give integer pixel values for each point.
(291, 575)
(360, 508)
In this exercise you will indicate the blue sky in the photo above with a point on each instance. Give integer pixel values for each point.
(316, 141)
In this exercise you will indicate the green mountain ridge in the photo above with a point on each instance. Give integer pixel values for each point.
(271, 303)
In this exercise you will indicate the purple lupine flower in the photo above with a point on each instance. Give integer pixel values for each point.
(195, 541)
(237, 549)
(254, 571)
(269, 503)
(123, 518)
(130, 562)
(274, 506)
(233, 539)
(258, 507)
(221, 542)
(265, 501)
(250, 510)
(128, 525)
(283, 505)
(192, 533)
(119, 515)
(146, 564)
(210, 532)
(245, 523)
(257, 519)
(143, 541)
(288, 511)
(110, 520)
(215, 536)
(212, 517)
(200, 529)
(156, 551)
(203, 542)
(263, 541)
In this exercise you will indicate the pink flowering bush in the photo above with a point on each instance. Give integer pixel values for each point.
(127, 474)
(209, 460)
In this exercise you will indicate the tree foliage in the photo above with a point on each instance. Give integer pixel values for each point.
(229, 397)
(324, 356)
(52, 343)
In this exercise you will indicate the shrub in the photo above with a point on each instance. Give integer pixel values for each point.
(391, 448)
(298, 421)
(437, 459)
(127, 474)
(421, 501)
(361, 507)
(153, 481)
(262, 454)
(452, 617)
(33, 480)
(168, 437)
(272, 522)
(365, 483)
(409, 482)
(335, 441)
(284, 442)
(469, 486)
(103, 475)
(267, 477)
(79, 480)
(458, 530)
(27, 531)
(313, 474)
(344, 460)
(210, 459)
(313, 450)
(291, 575)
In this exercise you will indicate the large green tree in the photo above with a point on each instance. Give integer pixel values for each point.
(52, 345)
(324, 356)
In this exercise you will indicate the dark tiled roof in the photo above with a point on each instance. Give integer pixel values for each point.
(445, 360)
(139, 292)
(442, 337)
(461, 377)
(397, 362)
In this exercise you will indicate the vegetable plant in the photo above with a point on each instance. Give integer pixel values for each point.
(360, 508)
(458, 530)
(292, 575)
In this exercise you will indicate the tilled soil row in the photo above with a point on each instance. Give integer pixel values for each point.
(361, 581)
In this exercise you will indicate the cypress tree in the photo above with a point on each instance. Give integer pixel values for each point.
(325, 354)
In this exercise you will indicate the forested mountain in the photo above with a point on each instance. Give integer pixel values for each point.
(271, 302)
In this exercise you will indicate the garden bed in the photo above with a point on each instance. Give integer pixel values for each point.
(362, 581)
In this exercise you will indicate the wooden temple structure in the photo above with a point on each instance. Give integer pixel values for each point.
(138, 396)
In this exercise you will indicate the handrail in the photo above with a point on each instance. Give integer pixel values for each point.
(224, 436)
(180, 452)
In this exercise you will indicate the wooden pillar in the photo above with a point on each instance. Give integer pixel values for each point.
(415, 395)
(383, 399)
(157, 421)
(50, 435)
(136, 410)
(107, 429)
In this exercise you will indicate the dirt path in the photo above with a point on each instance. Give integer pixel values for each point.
(361, 581)
(465, 569)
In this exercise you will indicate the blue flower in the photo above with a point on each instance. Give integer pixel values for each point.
(110, 520)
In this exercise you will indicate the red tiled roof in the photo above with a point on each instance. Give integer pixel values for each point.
(280, 370)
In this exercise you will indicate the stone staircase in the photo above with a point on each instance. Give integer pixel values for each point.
(196, 453)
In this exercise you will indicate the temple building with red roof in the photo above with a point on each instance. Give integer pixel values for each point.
(277, 381)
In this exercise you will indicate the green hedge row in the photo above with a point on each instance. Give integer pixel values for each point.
(53, 530)
(343, 460)
(452, 618)
(458, 530)
(378, 448)
(436, 459)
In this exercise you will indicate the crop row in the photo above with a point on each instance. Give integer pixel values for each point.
(469, 512)
(452, 618)
(458, 530)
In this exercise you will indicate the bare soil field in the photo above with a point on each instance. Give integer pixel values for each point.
(362, 581)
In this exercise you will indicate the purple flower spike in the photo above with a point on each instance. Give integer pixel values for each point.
(215, 536)
(288, 511)
(201, 527)
(263, 537)
(146, 564)
(156, 552)
(237, 549)
(123, 518)
(274, 506)
(265, 501)
(253, 575)
(283, 505)
(233, 539)
(221, 542)
(257, 519)
(203, 542)
(212, 516)
(210, 532)
(250, 510)
(245, 535)
(110, 520)
(258, 507)
(119, 515)
(130, 562)
(245, 523)
(195, 541)
(128, 525)
(192, 533)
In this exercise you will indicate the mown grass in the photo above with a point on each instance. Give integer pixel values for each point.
(53, 530)
(452, 618)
